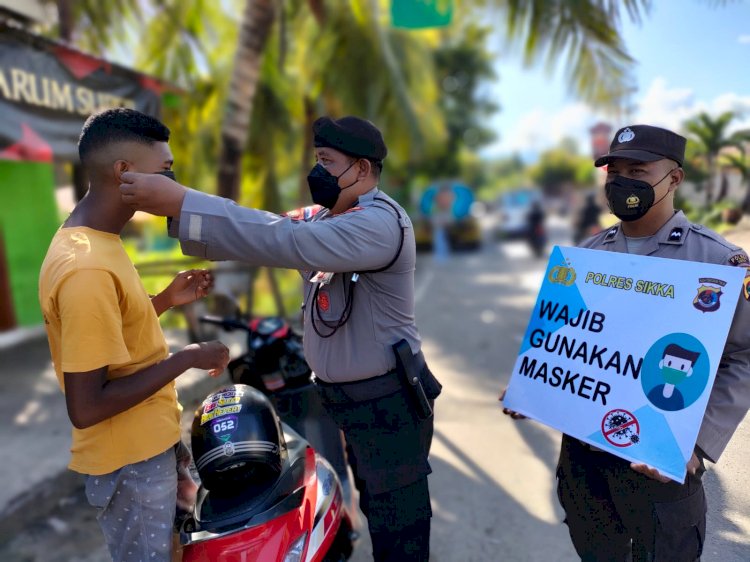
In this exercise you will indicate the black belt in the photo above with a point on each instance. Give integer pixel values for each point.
(365, 389)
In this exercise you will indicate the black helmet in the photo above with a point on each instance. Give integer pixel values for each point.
(236, 437)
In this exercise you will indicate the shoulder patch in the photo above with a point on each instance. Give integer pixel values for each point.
(676, 234)
(611, 233)
(746, 285)
(739, 258)
(303, 213)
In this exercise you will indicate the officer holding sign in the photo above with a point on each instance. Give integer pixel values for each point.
(614, 507)
(356, 252)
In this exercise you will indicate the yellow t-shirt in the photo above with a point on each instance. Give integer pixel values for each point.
(98, 314)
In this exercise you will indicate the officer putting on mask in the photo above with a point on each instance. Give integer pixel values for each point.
(356, 253)
(614, 507)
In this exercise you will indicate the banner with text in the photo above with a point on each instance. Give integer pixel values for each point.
(621, 352)
(47, 91)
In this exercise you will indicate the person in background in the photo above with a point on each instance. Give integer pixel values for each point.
(588, 220)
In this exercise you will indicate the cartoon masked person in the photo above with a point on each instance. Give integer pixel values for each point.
(676, 365)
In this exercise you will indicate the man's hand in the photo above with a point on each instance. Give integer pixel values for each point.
(212, 356)
(692, 466)
(152, 193)
(188, 286)
(508, 412)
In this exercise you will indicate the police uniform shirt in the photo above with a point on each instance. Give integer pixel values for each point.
(730, 396)
(366, 237)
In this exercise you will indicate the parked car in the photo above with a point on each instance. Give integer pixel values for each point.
(514, 207)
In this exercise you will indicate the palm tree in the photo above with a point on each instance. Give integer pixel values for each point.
(711, 137)
(255, 27)
(741, 163)
(94, 26)
(585, 34)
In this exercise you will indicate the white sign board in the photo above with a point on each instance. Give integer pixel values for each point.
(621, 352)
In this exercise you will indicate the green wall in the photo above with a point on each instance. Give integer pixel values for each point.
(28, 218)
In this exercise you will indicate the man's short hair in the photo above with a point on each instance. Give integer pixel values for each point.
(119, 125)
(377, 167)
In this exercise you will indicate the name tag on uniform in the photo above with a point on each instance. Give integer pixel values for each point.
(322, 277)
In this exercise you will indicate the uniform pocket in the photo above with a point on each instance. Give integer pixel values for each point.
(329, 301)
(681, 528)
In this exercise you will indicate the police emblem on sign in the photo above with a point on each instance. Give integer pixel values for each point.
(562, 275)
(709, 294)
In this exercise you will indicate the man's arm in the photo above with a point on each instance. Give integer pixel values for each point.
(91, 398)
(730, 396)
(187, 286)
(92, 337)
(219, 229)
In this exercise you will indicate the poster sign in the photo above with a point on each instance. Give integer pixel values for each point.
(621, 352)
(47, 90)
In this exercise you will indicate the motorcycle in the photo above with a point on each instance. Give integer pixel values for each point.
(536, 233)
(298, 507)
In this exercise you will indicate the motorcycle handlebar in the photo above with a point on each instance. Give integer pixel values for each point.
(227, 324)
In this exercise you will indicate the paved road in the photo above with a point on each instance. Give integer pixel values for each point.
(493, 483)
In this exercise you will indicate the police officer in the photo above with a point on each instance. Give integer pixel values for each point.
(355, 250)
(614, 507)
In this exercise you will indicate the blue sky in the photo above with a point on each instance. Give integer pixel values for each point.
(691, 56)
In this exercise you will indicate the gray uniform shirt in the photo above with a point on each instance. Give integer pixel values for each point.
(730, 397)
(364, 238)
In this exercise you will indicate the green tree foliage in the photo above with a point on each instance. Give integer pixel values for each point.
(562, 168)
(740, 161)
(462, 66)
(583, 35)
(709, 136)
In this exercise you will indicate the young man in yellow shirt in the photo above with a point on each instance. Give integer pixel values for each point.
(108, 349)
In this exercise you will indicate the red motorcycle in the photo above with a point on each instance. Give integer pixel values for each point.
(267, 493)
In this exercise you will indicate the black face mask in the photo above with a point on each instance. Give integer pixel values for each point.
(324, 186)
(631, 199)
(168, 173)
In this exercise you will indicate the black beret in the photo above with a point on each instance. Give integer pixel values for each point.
(350, 135)
(645, 143)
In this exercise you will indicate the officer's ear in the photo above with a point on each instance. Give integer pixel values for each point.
(675, 177)
(364, 168)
